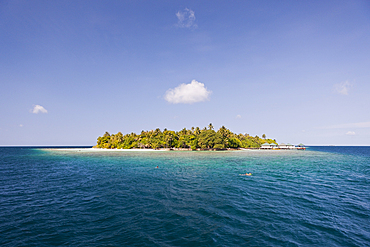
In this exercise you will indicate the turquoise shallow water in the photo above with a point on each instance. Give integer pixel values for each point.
(316, 197)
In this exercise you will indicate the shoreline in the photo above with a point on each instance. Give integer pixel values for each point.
(162, 149)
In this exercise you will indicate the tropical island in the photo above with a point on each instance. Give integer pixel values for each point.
(185, 139)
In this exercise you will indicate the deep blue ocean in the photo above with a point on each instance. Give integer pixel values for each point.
(77, 197)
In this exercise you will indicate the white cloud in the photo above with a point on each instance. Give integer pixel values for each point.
(343, 87)
(351, 133)
(38, 108)
(188, 93)
(186, 19)
(238, 116)
(21, 125)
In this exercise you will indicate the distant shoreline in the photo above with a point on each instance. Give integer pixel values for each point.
(159, 150)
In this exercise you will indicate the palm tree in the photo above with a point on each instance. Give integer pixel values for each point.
(210, 126)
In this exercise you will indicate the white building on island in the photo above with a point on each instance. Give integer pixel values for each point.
(268, 146)
(286, 146)
(282, 146)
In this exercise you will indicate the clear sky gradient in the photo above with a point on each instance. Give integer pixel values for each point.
(297, 71)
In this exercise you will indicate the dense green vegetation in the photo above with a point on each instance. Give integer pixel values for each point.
(195, 138)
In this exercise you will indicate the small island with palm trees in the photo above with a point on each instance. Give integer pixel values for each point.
(185, 139)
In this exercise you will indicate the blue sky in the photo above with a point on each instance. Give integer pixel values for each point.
(297, 71)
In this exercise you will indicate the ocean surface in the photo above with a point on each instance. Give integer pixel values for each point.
(79, 197)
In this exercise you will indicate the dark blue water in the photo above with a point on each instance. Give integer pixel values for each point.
(317, 197)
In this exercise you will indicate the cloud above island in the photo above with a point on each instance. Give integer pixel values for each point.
(343, 87)
(186, 19)
(187, 93)
(38, 108)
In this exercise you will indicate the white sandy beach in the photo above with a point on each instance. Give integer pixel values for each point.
(104, 150)
(152, 150)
